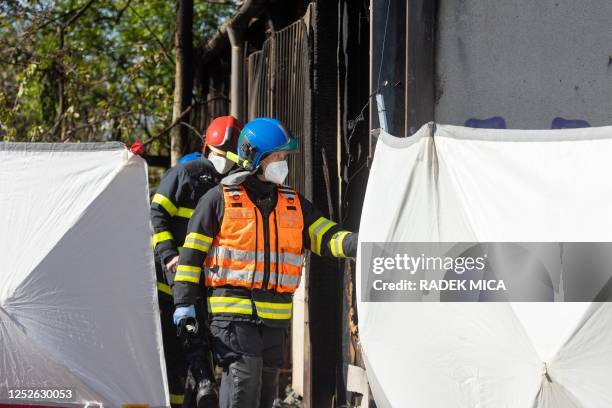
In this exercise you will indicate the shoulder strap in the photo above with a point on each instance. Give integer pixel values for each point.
(235, 196)
(288, 192)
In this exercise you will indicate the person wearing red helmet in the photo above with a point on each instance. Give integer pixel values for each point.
(171, 208)
(221, 140)
(247, 242)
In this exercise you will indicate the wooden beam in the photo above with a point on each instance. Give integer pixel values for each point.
(324, 278)
(420, 63)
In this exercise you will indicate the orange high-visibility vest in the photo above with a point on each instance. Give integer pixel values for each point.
(236, 257)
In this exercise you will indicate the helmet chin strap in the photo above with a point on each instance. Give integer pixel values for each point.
(217, 151)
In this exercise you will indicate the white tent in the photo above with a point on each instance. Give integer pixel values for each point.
(453, 184)
(78, 302)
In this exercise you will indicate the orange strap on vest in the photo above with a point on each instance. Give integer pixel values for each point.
(236, 257)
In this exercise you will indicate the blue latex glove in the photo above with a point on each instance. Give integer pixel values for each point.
(183, 312)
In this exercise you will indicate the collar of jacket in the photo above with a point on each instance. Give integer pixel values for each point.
(202, 167)
(255, 185)
(236, 177)
(261, 193)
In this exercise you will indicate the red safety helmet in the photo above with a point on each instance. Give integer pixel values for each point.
(222, 134)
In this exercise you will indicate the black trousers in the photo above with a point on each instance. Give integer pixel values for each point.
(176, 364)
(251, 356)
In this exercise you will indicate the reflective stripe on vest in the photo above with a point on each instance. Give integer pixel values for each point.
(230, 305)
(238, 255)
(241, 278)
(276, 311)
(248, 279)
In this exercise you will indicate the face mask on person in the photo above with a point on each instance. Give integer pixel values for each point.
(221, 164)
(276, 172)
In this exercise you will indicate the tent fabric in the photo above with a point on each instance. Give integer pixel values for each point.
(78, 301)
(455, 184)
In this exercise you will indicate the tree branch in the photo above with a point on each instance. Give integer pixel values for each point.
(120, 13)
(170, 127)
(77, 15)
(200, 135)
(161, 44)
(97, 122)
(220, 2)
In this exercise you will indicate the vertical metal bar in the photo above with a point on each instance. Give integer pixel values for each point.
(299, 98)
(273, 73)
(237, 75)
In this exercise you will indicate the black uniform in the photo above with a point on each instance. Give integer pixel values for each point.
(171, 208)
(248, 348)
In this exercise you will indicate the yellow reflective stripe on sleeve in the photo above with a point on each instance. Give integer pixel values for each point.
(229, 299)
(184, 212)
(201, 237)
(316, 231)
(165, 203)
(161, 236)
(199, 247)
(198, 241)
(227, 304)
(176, 399)
(186, 273)
(162, 287)
(230, 309)
(336, 244)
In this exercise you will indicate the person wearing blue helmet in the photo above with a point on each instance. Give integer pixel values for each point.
(193, 156)
(171, 207)
(243, 256)
(261, 137)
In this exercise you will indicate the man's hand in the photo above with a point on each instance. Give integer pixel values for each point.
(183, 312)
(172, 264)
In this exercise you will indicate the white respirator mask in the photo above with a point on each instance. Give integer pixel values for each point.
(221, 164)
(276, 172)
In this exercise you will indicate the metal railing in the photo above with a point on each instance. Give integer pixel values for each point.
(277, 86)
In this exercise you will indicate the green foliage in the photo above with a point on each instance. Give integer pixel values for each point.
(115, 67)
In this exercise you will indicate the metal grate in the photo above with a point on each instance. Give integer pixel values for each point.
(213, 83)
(278, 86)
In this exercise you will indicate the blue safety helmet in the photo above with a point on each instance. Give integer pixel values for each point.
(190, 157)
(260, 137)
